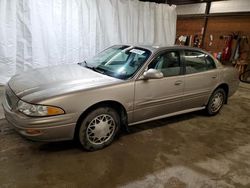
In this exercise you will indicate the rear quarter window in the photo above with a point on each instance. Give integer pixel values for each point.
(210, 62)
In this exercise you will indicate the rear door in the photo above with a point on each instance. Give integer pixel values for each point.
(201, 76)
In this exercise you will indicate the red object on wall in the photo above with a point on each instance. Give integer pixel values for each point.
(227, 51)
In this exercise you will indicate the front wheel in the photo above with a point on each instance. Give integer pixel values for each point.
(99, 128)
(216, 101)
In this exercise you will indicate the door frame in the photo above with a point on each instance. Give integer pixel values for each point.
(144, 67)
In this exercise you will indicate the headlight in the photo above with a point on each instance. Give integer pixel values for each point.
(38, 110)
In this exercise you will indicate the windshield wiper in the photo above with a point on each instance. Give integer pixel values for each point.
(85, 64)
(98, 69)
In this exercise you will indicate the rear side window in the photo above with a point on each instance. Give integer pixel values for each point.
(197, 62)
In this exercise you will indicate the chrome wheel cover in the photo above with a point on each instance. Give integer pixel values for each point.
(100, 129)
(217, 102)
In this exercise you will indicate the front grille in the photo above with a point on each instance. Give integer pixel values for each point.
(11, 98)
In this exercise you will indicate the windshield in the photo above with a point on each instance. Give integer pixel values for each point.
(119, 61)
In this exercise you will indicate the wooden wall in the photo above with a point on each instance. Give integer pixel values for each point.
(216, 26)
(188, 26)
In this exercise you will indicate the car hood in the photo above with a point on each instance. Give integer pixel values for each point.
(47, 82)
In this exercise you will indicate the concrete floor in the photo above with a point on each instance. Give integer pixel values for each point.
(187, 151)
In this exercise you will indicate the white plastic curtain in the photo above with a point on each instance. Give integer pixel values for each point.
(49, 32)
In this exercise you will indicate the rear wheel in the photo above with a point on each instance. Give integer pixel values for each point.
(216, 101)
(99, 128)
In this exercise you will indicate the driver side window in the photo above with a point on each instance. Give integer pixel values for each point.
(168, 63)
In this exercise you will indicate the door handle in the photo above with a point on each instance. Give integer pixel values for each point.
(215, 76)
(179, 82)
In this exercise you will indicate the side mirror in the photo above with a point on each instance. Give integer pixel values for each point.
(245, 77)
(152, 74)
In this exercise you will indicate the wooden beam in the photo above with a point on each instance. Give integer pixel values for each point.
(234, 14)
(229, 14)
(186, 2)
(188, 16)
(205, 23)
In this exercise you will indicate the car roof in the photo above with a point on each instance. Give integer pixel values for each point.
(174, 47)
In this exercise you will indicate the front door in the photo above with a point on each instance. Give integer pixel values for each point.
(158, 97)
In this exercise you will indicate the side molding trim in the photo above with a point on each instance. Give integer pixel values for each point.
(168, 115)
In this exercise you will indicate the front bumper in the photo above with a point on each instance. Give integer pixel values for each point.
(54, 128)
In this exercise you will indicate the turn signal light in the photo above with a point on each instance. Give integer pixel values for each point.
(32, 131)
(54, 110)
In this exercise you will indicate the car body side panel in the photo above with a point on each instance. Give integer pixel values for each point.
(198, 87)
(157, 97)
(230, 76)
(78, 102)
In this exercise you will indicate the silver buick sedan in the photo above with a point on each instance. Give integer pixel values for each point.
(122, 86)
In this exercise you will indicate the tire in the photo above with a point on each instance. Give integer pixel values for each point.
(99, 128)
(216, 101)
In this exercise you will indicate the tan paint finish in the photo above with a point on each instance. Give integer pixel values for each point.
(75, 89)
